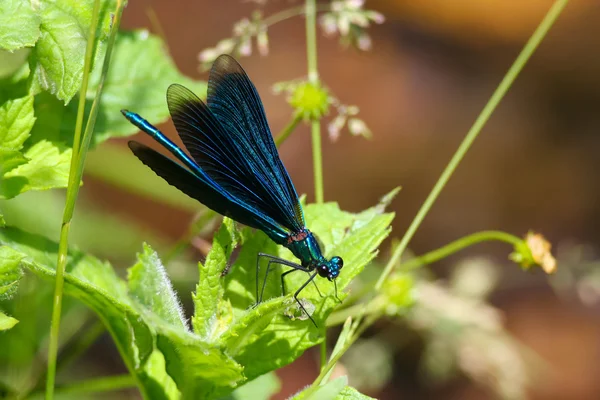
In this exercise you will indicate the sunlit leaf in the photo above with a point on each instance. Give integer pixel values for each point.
(19, 24)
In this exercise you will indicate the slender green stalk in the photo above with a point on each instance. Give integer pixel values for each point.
(317, 161)
(359, 326)
(75, 174)
(313, 77)
(72, 188)
(287, 131)
(457, 245)
(485, 114)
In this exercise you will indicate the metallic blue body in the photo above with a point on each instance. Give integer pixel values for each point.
(233, 166)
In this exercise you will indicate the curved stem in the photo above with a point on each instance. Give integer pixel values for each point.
(485, 114)
(457, 245)
(287, 131)
(72, 191)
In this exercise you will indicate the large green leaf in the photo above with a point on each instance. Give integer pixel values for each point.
(354, 237)
(138, 78)
(142, 320)
(19, 24)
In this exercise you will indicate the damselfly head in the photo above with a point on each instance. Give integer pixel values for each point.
(331, 269)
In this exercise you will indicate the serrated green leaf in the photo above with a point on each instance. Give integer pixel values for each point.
(10, 271)
(48, 168)
(138, 78)
(58, 56)
(208, 320)
(6, 322)
(261, 388)
(152, 288)
(19, 24)
(354, 237)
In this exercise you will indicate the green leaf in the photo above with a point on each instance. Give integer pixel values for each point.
(211, 313)
(10, 272)
(159, 385)
(354, 237)
(6, 322)
(138, 78)
(58, 56)
(263, 387)
(48, 168)
(151, 287)
(19, 24)
(16, 121)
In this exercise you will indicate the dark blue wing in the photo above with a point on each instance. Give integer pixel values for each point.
(231, 141)
(197, 184)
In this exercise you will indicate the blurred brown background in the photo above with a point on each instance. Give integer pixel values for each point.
(433, 65)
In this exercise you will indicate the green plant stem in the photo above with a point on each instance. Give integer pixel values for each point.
(317, 161)
(287, 131)
(313, 77)
(485, 114)
(72, 190)
(457, 245)
(359, 326)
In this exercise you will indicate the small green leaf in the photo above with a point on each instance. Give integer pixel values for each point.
(6, 322)
(19, 24)
(48, 168)
(10, 271)
(210, 310)
(263, 387)
(150, 285)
